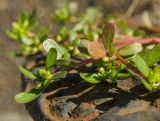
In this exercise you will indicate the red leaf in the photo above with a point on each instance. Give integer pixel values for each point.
(96, 50)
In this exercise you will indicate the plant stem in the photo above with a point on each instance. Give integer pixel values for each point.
(80, 64)
(119, 57)
(130, 40)
(130, 66)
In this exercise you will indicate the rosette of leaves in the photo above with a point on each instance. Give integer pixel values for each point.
(22, 31)
(102, 52)
(44, 76)
(130, 58)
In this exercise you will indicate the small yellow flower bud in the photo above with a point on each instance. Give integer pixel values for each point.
(106, 59)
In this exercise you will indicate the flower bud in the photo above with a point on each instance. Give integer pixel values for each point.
(106, 59)
(101, 70)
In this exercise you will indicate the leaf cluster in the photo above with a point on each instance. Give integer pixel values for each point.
(23, 32)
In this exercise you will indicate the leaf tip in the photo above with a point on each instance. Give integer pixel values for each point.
(108, 34)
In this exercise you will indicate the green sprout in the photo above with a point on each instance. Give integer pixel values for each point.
(23, 32)
(111, 69)
(43, 76)
(154, 78)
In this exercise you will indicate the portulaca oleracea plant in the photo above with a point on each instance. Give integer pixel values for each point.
(112, 61)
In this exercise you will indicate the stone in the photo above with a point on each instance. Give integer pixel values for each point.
(134, 106)
(142, 116)
(64, 110)
(137, 116)
(109, 117)
(85, 112)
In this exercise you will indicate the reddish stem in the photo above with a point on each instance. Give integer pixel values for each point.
(80, 64)
(130, 40)
(130, 66)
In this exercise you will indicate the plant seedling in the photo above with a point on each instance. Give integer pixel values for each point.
(22, 31)
(111, 69)
(43, 76)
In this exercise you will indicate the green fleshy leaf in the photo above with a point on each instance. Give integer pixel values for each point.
(66, 55)
(151, 56)
(46, 83)
(141, 65)
(16, 26)
(123, 76)
(27, 72)
(72, 36)
(108, 35)
(154, 77)
(12, 35)
(42, 74)
(26, 40)
(112, 52)
(58, 75)
(131, 49)
(25, 97)
(49, 43)
(89, 78)
(51, 58)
